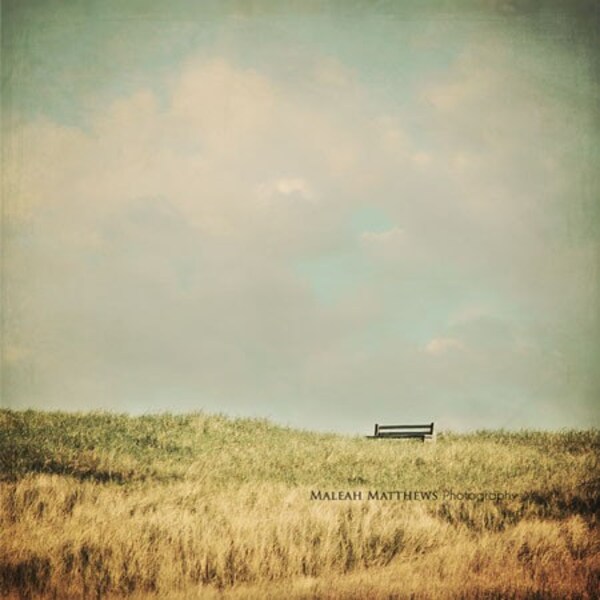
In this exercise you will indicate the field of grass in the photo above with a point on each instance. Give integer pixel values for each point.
(197, 506)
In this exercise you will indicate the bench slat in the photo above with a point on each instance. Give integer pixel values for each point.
(428, 426)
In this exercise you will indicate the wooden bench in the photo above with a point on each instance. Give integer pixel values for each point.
(402, 432)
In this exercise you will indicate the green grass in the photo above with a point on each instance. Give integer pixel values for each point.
(123, 449)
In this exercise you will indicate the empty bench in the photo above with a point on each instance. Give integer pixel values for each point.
(402, 432)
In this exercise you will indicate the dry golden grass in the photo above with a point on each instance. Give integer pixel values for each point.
(102, 506)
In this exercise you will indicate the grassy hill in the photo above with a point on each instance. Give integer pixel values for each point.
(101, 505)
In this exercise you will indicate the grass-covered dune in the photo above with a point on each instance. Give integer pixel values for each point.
(100, 505)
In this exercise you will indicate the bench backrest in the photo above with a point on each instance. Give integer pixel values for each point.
(381, 430)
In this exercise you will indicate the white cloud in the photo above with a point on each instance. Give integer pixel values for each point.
(148, 251)
(383, 237)
(421, 159)
(288, 187)
(443, 345)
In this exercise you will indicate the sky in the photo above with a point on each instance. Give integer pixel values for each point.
(324, 214)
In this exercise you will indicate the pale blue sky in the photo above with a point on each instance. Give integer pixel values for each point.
(325, 214)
